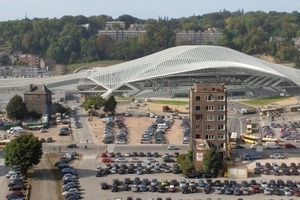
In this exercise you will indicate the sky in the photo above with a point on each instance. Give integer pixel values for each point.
(142, 9)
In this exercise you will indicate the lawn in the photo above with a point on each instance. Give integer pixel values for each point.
(264, 101)
(170, 102)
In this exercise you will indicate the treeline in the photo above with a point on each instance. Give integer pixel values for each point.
(66, 41)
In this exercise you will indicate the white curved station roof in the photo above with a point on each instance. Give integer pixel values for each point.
(183, 59)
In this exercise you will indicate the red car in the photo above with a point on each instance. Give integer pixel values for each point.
(255, 189)
(103, 155)
(296, 192)
(290, 146)
(107, 160)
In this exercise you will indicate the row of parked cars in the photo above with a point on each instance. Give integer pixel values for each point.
(17, 185)
(108, 133)
(276, 170)
(185, 125)
(70, 189)
(155, 133)
(207, 186)
(148, 167)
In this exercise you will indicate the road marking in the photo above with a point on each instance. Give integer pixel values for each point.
(89, 157)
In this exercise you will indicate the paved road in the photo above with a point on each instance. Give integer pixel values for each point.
(3, 179)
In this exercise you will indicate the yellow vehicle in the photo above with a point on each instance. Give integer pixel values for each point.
(251, 139)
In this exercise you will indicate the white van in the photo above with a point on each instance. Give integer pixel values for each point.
(17, 131)
(271, 145)
(12, 128)
(162, 126)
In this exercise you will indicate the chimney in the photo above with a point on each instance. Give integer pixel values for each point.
(31, 87)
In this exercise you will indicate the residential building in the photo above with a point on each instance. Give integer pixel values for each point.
(209, 36)
(38, 98)
(116, 30)
(208, 119)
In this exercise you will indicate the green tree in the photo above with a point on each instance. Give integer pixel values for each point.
(95, 102)
(16, 108)
(212, 161)
(24, 152)
(185, 162)
(110, 104)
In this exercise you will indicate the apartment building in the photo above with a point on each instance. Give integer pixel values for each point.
(208, 119)
(116, 30)
(209, 36)
(38, 98)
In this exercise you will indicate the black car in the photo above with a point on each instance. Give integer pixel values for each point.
(280, 183)
(208, 175)
(152, 188)
(155, 154)
(161, 189)
(185, 190)
(114, 188)
(126, 187)
(239, 147)
(207, 189)
(168, 159)
(104, 186)
(127, 181)
(277, 191)
(72, 146)
(193, 175)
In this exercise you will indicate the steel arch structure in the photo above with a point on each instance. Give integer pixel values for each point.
(185, 60)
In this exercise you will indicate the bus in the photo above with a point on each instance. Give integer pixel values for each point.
(233, 140)
(271, 111)
(3, 143)
(293, 108)
(251, 139)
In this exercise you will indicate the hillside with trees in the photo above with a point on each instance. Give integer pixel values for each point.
(67, 41)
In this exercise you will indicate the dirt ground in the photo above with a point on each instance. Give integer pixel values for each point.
(136, 125)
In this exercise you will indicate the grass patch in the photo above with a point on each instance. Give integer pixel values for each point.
(71, 68)
(264, 101)
(170, 102)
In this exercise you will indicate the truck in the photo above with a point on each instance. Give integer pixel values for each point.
(248, 111)
(252, 156)
(271, 145)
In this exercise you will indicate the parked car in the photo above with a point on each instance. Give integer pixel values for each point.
(277, 156)
(72, 146)
(172, 147)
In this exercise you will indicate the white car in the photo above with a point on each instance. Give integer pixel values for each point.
(135, 160)
(287, 191)
(10, 173)
(73, 190)
(219, 190)
(263, 184)
(120, 160)
(120, 142)
(277, 156)
(182, 183)
(150, 160)
(267, 191)
(172, 147)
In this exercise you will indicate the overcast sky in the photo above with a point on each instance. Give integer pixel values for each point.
(142, 9)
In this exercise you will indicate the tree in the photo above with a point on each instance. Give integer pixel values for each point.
(212, 161)
(95, 102)
(185, 162)
(110, 104)
(24, 152)
(16, 108)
